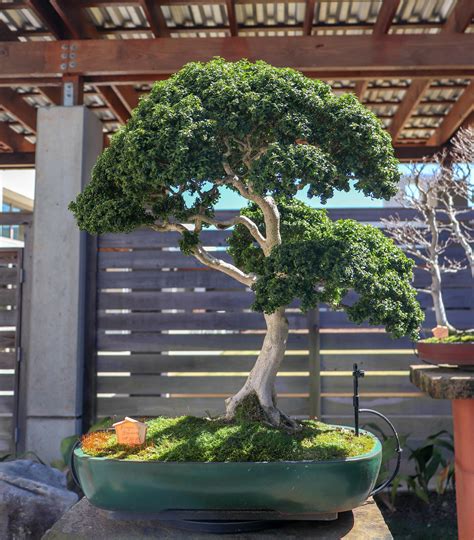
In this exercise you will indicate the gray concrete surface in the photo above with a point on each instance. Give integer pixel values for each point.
(83, 521)
(69, 141)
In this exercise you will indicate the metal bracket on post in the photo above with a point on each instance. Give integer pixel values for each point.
(356, 374)
(68, 94)
(72, 83)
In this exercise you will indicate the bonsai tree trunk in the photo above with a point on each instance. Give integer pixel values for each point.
(258, 391)
(437, 296)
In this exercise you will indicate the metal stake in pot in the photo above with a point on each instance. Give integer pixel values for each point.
(356, 374)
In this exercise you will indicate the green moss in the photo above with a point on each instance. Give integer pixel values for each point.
(455, 338)
(188, 438)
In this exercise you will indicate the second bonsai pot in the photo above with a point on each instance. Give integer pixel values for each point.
(286, 487)
(454, 354)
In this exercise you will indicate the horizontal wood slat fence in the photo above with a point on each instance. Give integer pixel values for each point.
(11, 264)
(173, 337)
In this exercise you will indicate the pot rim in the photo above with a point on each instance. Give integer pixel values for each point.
(78, 452)
(455, 344)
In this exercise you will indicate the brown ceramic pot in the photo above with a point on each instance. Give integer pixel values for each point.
(453, 354)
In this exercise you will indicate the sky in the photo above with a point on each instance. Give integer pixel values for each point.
(20, 180)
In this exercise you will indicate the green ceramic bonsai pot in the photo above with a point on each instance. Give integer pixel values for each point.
(286, 487)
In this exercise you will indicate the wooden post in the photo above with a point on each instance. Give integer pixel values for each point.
(90, 348)
(20, 413)
(314, 364)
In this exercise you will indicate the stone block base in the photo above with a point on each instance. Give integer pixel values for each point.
(84, 522)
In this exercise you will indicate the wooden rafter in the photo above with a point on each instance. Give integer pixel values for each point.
(75, 19)
(412, 98)
(344, 56)
(128, 95)
(469, 121)
(13, 140)
(5, 33)
(232, 16)
(460, 17)
(45, 12)
(115, 103)
(360, 89)
(16, 105)
(385, 17)
(458, 113)
(308, 17)
(155, 18)
(52, 94)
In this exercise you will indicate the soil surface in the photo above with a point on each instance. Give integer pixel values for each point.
(413, 519)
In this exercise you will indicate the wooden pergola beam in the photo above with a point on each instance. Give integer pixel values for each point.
(309, 17)
(128, 96)
(17, 106)
(460, 17)
(414, 153)
(115, 103)
(232, 16)
(458, 113)
(412, 98)
(385, 17)
(75, 19)
(17, 160)
(155, 18)
(345, 55)
(48, 16)
(14, 141)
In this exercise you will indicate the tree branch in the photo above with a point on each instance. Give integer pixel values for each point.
(242, 220)
(206, 258)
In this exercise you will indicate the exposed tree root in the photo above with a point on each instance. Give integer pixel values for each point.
(246, 405)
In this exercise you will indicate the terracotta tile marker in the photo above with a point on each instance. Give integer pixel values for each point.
(130, 432)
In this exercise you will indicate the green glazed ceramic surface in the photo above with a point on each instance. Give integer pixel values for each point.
(283, 486)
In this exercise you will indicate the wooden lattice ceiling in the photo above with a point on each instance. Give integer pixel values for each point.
(410, 61)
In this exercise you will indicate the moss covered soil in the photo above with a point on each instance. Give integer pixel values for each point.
(455, 338)
(188, 438)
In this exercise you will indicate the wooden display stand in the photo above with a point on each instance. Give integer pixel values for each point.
(458, 386)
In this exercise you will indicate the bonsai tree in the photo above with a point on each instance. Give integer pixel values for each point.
(439, 191)
(266, 134)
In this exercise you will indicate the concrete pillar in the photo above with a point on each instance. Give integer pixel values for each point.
(69, 141)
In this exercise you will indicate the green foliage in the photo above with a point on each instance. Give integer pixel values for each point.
(434, 459)
(321, 260)
(189, 438)
(455, 338)
(189, 240)
(251, 115)
(277, 131)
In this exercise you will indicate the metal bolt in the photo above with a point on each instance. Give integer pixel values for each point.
(73, 47)
(72, 55)
(64, 55)
(63, 66)
(72, 64)
(64, 47)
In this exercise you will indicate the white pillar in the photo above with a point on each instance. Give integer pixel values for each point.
(69, 141)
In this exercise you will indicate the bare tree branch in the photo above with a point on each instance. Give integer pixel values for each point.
(206, 258)
(242, 220)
